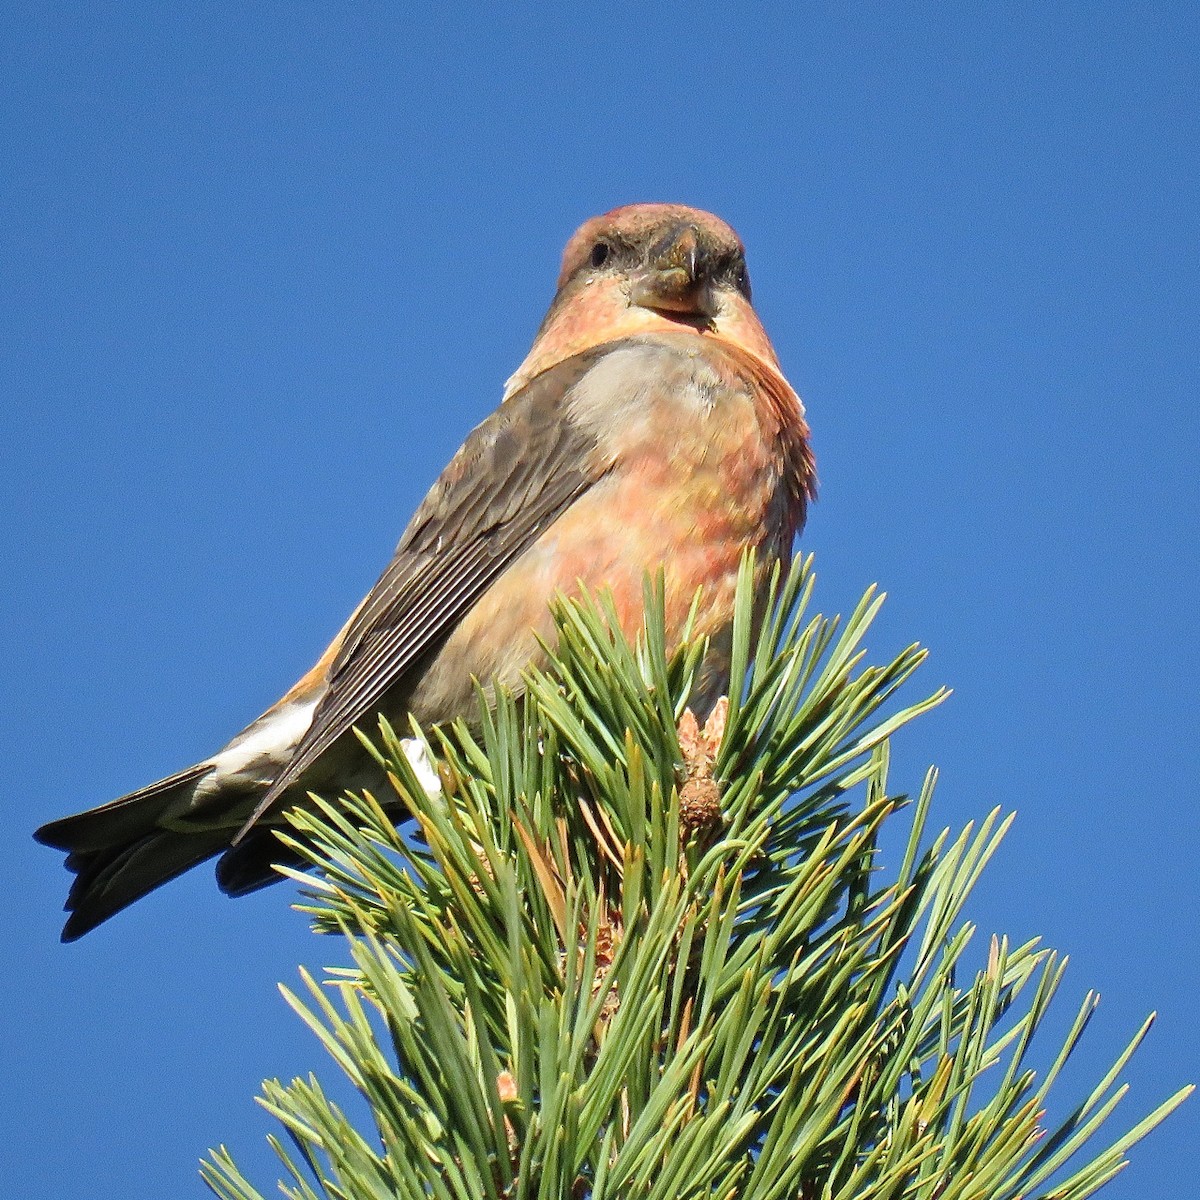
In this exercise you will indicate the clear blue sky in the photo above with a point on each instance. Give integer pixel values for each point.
(265, 265)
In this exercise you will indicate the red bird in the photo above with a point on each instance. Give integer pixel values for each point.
(649, 426)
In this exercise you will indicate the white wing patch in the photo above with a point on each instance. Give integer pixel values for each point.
(257, 754)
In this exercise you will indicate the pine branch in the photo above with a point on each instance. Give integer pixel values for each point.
(619, 955)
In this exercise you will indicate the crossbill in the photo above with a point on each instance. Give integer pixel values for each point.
(650, 426)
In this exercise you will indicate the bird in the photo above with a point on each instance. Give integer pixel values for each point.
(649, 428)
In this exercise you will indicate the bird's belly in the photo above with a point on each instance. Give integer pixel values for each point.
(689, 523)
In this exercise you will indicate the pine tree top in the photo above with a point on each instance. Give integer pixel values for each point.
(622, 953)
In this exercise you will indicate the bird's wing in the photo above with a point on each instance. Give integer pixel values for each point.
(509, 482)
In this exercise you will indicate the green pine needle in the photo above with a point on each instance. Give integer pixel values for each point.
(571, 981)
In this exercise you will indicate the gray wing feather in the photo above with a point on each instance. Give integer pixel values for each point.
(509, 482)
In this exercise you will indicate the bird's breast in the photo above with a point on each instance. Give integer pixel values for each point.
(699, 473)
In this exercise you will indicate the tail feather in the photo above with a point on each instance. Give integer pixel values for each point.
(121, 820)
(251, 864)
(119, 853)
(109, 880)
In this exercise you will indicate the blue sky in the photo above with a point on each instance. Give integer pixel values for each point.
(265, 266)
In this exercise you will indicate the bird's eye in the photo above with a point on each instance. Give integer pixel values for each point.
(741, 279)
(600, 254)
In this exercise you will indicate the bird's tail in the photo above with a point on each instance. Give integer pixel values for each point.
(118, 852)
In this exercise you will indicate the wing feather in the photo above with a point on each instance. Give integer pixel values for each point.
(512, 478)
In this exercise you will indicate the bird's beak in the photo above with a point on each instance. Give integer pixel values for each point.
(672, 280)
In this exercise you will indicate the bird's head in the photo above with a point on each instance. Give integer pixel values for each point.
(648, 268)
(662, 257)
